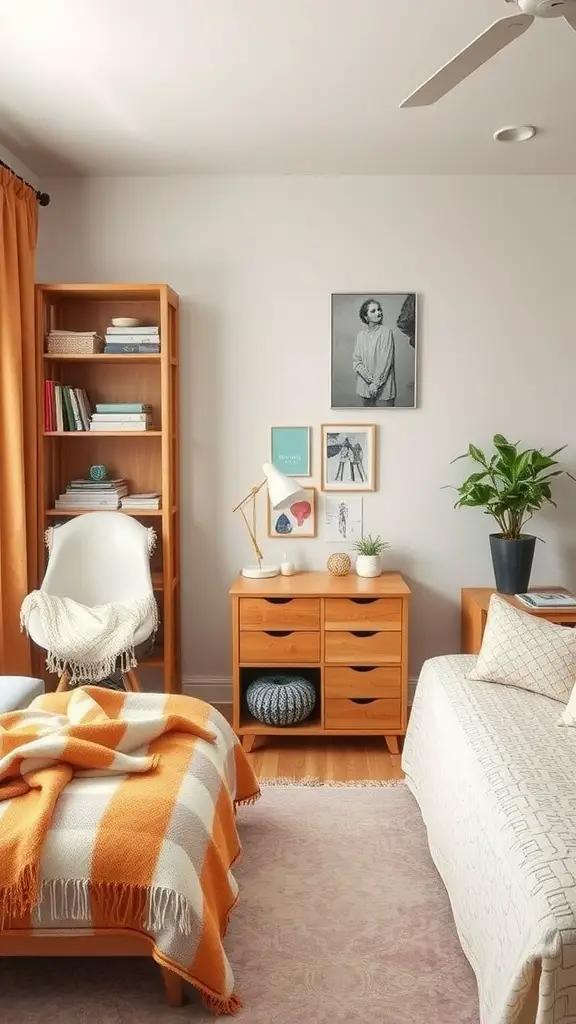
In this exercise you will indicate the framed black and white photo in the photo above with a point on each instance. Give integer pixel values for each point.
(348, 457)
(374, 350)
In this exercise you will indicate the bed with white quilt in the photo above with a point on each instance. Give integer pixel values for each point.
(495, 777)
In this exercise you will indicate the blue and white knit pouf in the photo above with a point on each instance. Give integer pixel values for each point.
(281, 699)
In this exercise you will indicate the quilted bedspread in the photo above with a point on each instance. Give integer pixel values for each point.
(495, 778)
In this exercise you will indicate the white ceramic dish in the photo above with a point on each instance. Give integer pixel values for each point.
(125, 321)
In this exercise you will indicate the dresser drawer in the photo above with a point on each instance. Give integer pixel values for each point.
(348, 715)
(275, 647)
(346, 648)
(379, 681)
(383, 613)
(279, 613)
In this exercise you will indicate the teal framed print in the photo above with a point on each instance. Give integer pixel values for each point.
(291, 450)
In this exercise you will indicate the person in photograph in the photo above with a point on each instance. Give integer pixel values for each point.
(358, 462)
(346, 455)
(374, 357)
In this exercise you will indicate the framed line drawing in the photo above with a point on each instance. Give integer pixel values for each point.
(348, 457)
(290, 450)
(374, 350)
(342, 518)
(297, 522)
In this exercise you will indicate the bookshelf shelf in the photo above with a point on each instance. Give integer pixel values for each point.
(138, 513)
(147, 465)
(104, 357)
(102, 433)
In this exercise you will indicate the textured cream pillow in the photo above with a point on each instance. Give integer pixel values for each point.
(523, 650)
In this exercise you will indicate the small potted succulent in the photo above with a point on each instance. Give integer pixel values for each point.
(510, 485)
(368, 555)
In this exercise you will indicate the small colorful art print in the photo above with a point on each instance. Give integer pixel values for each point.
(348, 457)
(290, 450)
(296, 521)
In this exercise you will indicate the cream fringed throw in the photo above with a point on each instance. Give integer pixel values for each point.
(88, 643)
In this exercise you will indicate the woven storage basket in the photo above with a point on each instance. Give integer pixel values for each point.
(74, 346)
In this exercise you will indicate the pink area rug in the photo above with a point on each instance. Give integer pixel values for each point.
(342, 919)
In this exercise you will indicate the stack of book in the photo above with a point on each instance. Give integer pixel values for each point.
(149, 501)
(93, 495)
(65, 408)
(538, 599)
(118, 416)
(132, 339)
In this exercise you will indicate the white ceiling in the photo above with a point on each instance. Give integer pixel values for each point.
(150, 87)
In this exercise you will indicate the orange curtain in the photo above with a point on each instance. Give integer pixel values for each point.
(18, 512)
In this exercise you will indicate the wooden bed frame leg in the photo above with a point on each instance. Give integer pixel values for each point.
(132, 681)
(173, 987)
(392, 742)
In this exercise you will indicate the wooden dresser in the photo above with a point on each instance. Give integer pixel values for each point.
(347, 635)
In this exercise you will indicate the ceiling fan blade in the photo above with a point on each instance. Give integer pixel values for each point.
(473, 57)
(571, 18)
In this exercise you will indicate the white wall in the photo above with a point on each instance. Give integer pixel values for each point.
(255, 261)
(30, 176)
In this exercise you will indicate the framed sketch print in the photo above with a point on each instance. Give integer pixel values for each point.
(342, 518)
(297, 520)
(374, 350)
(290, 450)
(348, 457)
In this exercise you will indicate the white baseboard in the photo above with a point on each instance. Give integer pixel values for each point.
(218, 689)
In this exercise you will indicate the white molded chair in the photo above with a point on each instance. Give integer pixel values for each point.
(98, 558)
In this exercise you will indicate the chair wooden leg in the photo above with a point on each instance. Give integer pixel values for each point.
(63, 683)
(173, 987)
(132, 681)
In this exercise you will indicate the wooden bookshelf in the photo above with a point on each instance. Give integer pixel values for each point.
(148, 459)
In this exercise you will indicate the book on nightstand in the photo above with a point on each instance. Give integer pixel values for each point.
(547, 599)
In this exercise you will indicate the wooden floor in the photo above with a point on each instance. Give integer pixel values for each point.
(331, 760)
(326, 758)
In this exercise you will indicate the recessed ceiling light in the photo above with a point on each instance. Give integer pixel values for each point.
(515, 133)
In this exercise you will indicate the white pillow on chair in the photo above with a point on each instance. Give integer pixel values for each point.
(519, 649)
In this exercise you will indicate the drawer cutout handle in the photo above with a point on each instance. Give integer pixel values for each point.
(278, 600)
(362, 700)
(363, 668)
(278, 632)
(361, 633)
(363, 600)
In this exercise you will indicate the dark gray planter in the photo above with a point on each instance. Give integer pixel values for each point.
(512, 561)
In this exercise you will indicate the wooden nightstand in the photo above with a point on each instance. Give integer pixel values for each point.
(346, 634)
(474, 609)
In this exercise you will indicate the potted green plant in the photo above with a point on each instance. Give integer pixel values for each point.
(368, 552)
(510, 485)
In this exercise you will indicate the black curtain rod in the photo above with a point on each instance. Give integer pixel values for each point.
(42, 197)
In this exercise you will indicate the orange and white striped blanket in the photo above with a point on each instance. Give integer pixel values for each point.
(117, 811)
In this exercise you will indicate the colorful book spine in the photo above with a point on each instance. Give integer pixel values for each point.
(129, 331)
(123, 407)
(132, 347)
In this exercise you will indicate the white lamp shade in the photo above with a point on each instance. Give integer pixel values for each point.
(283, 490)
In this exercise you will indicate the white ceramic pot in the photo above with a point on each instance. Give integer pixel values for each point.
(368, 565)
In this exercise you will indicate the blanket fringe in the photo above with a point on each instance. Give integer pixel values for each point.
(311, 780)
(17, 900)
(119, 905)
(247, 800)
(229, 1006)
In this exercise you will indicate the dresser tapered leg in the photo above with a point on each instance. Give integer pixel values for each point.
(392, 742)
(248, 743)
